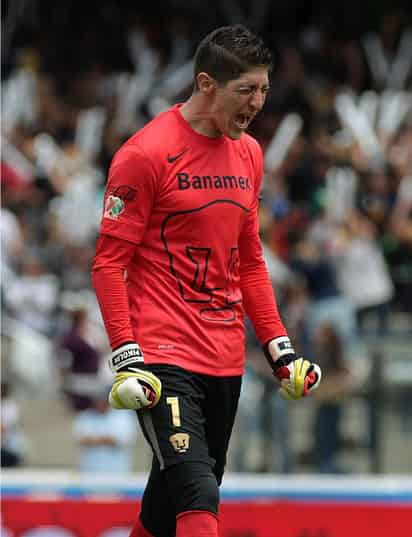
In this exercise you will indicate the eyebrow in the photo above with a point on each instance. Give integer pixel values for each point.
(251, 85)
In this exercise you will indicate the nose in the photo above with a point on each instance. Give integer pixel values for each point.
(257, 100)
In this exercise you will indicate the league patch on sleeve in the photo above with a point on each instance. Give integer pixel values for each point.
(113, 207)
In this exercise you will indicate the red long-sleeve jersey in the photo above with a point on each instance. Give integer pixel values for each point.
(179, 258)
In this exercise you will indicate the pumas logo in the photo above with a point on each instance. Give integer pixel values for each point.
(180, 442)
(114, 207)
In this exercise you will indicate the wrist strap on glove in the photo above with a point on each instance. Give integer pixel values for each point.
(279, 352)
(128, 354)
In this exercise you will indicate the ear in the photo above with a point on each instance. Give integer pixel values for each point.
(206, 83)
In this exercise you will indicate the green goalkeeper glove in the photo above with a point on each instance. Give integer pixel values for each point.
(133, 388)
(298, 377)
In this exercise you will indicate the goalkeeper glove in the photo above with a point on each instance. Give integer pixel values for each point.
(298, 377)
(133, 388)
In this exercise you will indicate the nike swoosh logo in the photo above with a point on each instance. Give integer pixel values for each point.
(172, 159)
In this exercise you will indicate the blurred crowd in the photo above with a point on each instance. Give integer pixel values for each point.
(336, 210)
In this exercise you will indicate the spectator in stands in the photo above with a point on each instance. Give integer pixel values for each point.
(326, 301)
(12, 438)
(79, 360)
(363, 273)
(32, 297)
(262, 440)
(399, 249)
(376, 196)
(328, 345)
(105, 437)
(11, 243)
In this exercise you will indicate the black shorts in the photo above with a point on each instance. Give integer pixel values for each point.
(194, 418)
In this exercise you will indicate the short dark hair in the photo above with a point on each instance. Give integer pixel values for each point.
(229, 51)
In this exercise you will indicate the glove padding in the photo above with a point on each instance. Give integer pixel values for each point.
(133, 388)
(298, 378)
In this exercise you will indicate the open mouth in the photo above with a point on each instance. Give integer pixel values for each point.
(242, 121)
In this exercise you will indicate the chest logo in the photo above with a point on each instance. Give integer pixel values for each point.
(114, 207)
(186, 181)
(171, 158)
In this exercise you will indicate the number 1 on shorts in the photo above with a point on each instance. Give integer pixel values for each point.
(174, 404)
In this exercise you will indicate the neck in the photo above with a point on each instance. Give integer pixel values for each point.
(198, 113)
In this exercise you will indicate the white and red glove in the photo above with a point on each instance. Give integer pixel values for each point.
(298, 377)
(133, 388)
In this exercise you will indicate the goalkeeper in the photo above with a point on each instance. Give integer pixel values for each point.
(178, 264)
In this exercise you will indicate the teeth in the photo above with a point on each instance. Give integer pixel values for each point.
(242, 120)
